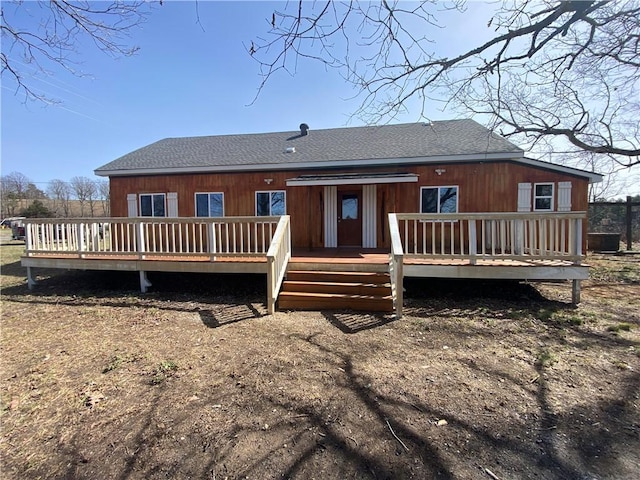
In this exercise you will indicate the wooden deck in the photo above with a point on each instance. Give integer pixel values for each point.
(526, 247)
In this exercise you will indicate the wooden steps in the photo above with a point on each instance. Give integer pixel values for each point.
(324, 290)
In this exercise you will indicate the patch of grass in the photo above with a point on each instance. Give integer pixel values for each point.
(421, 324)
(544, 315)
(164, 370)
(621, 365)
(168, 366)
(546, 358)
(613, 269)
(620, 327)
(517, 314)
(570, 318)
(118, 360)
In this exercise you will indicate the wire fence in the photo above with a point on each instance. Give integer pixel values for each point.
(621, 218)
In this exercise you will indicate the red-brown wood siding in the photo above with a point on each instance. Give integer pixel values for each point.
(482, 187)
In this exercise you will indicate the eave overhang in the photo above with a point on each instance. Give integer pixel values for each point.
(592, 176)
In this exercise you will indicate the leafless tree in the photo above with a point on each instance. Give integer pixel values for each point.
(60, 194)
(566, 70)
(14, 188)
(104, 196)
(16, 183)
(84, 189)
(62, 26)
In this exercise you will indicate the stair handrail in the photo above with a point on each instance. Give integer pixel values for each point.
(278, 257)
(396, 258)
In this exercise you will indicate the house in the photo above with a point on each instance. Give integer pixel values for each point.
(334, 218)
(339, 185)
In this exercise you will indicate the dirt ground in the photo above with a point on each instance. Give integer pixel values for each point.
(493, 380)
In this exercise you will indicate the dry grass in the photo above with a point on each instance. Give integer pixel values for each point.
(194, 380)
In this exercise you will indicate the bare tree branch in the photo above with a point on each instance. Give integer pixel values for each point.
(568, 70)
(62, 26)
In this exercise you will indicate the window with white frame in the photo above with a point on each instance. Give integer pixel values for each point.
(543, 197)
(209, 204)
(439, 199)
(271, 203)
(153, 205)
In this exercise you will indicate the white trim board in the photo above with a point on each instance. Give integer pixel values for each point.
(363, 179)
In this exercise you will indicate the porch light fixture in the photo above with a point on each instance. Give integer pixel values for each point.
(440, 171)
(268, 181)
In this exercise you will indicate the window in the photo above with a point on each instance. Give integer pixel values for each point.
(439, 200)
(152, 205)
(209, 204)
(270, 203)
(543, 196)
(349, 207)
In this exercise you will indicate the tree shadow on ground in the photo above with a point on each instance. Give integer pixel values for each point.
(430, 296)
(354, 322)
(232, 298)
(14, 269)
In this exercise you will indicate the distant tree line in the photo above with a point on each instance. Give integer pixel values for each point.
(79, 197)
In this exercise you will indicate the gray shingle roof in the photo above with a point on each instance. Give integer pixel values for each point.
(451, 138)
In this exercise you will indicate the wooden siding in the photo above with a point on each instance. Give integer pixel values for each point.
(482, 187)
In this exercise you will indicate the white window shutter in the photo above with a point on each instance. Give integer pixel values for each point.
(172, 204)
(524, 197)
(132, 205)
(564, 196)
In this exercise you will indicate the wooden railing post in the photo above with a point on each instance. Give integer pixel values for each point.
(211, 232)
(140, 239)
(396, 264)
(28, 238)
(81, 240)
(473, 242)
(578, 237)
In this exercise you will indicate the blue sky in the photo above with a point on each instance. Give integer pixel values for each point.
(186, 80)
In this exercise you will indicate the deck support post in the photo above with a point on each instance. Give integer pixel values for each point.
(399, 275)
(575, 292)
(271, 302)
(144, 281)
(31, 281)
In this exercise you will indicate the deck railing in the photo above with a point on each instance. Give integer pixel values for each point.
(167, 239)
(474, 236)
(481, 236)
(278, 257)
(207, 237)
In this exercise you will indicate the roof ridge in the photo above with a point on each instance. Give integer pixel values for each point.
(286, 132)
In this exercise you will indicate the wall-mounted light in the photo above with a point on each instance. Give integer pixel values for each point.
(268, 181)
(440, 171)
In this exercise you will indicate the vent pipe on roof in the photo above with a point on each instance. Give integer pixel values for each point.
(304, 129)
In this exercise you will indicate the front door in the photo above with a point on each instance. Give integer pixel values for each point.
(350, 218)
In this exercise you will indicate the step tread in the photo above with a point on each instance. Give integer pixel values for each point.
(337, 284)
(338, 277)
(350, 296)
(330, 272)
